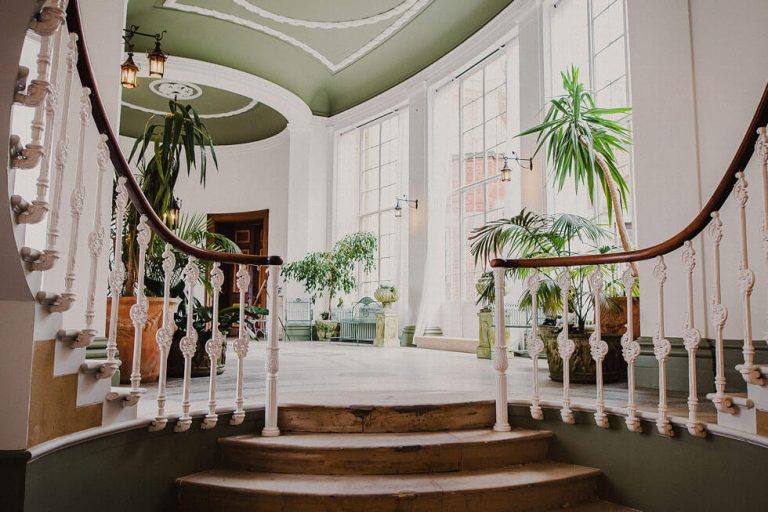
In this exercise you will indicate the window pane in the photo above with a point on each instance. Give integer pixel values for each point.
(472, 86)
(608, 25)
(495, 73)
(610, 64)
(369, 201)
(473, 155)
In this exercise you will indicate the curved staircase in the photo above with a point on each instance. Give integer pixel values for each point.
(391, 459)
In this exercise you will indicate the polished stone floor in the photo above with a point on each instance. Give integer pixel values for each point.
(343, 374)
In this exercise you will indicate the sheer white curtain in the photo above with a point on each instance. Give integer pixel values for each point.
(439, 304)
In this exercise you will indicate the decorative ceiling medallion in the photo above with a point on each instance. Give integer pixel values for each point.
(218, 115)
(174, 89)
(407, 10)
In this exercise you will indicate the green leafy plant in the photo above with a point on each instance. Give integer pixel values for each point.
(531, 235)
(582, 140)
(334, 272)
(174, 138)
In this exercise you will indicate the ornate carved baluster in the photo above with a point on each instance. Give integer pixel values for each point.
(117, 275)
(35, 97)
(213, 347)
(661, 349)
(139, 310)
(719, 317)
(50, 18)
(535, 344)
(762, 152)
(749, 371)
(630, 349)
(598, 348)
(47, 259)
(500, 358)
(691, 339)
(566, 346)
(188, 343)
(76, 201)
(272, 362)
(35, 212)
(241, 344)
(164, 337)
(95, 245)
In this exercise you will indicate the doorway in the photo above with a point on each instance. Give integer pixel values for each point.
(250, 231)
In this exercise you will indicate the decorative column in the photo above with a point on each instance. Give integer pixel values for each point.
(630, 349)
(762, 152)
(140, 309)
(272, 360)
(661, 349)
(117, 275)
(535, 344)
(213, 347)
(188, 343)
(598, 348)
(500, 361)
(565, 346)
(691, 340)
(241, 344)
(164, 338)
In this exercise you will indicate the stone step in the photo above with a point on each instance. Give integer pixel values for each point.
(535, 487)
(372, 419)
(746, 417)
(378, 454)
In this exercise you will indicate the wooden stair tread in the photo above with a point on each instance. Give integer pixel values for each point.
(331, 441)
(522, 476)
(596, 506)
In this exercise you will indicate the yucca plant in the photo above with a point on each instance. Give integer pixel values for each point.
(582, 140)
(174, 138)
(531, 235)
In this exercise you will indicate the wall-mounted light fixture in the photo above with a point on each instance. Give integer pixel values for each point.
(129, 70)
(524, 163)
(412, 203)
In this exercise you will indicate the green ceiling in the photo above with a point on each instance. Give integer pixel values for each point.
(250, 121)
(275, 39)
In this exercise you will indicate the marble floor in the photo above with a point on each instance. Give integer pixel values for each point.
(344, 374)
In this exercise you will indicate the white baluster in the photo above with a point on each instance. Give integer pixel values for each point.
(762, 152)
(213, 347)
(565, 346)
(722, 401)
(661, 349)
(598, 348)
(35, 97)
(188, 343)
(272, 361)
(630, 349)
(140, 309)
(95, 245)
(749, 371)
(500, 357)
(76, 201)
(39, 207)
(164, 337)
(51, 253)
(241, 344)
(535, 344)
(117, 275)
(50, 18)
(691, 339)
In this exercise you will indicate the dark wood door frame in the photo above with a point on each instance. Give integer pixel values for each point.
(215, 220)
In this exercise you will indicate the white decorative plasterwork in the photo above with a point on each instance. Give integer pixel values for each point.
(174, 89)
(406, 10)
(251, 104)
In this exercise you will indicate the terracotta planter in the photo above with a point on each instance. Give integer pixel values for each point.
(201, 363)
(150, 353)
(582, 367)
(614, 323)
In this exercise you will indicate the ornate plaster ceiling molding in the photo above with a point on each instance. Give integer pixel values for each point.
(217, 115)
(173, 89)
(407, 10)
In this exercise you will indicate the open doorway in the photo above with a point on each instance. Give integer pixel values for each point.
(249, 230)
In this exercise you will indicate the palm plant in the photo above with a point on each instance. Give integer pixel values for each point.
(175, 137)
(531, 235)
(582, 140)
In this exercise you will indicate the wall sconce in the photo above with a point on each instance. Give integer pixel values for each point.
(157, 57)
(412, 203)
(524, 163)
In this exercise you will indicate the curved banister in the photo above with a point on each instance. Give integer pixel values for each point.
(122, 168)
(699, 223)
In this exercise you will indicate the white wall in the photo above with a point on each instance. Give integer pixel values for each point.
(698, 69)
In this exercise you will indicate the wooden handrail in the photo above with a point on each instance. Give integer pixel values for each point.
(137, 197)
(699, 223)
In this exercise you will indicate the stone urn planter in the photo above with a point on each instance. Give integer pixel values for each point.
(150, 352)
(387, 295)
(582, 367)
(486, 335)
(326, 329)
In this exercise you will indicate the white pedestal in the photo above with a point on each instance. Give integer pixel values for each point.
(386, 329)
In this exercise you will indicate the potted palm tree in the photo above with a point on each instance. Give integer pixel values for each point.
(176, 137)
(531, 235)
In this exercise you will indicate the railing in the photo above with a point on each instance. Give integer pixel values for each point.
(59, 23)
(733, 183)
